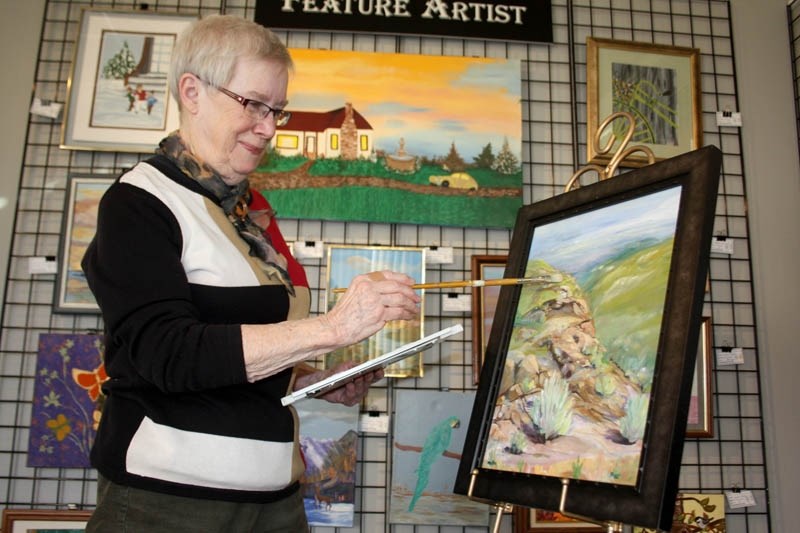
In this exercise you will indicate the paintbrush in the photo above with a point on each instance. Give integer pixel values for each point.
(467, 283)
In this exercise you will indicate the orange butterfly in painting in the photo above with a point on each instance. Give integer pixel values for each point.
(60, 426)
(90, 380)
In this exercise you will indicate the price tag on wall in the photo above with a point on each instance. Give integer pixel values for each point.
(729, 118)
(307, 249)
(42, 265)
(456, 303)
(369, 423)
(740, 498)
(722, 245)
(730, 356)
(438, 255)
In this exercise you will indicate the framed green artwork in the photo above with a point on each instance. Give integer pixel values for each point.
(658, 84)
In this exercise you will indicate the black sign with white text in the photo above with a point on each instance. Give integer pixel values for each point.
(505, 20)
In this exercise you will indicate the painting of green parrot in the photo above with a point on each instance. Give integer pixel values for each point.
(435, 445)
(428, 438)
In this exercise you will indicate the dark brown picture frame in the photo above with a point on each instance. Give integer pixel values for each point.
(648, 500)
(41, 520)
(484, 304)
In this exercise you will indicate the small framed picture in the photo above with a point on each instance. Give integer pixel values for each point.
(484, 302)
(346, 262)
(72, 293)
(40, 521)
(696, 512)
(541, 521)
(118, 98)
(700, 422)
(658, 84)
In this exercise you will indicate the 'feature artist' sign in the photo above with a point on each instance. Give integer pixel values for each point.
(508, 20)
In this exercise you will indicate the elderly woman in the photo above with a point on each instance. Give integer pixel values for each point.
(206, 313)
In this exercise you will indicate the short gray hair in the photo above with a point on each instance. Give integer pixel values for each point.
(210, 47)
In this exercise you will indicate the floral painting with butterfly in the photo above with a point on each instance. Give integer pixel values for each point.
(66, 400)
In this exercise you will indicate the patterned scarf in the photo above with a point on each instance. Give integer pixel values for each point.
(234, 201)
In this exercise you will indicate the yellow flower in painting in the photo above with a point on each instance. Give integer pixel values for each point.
(60, 426)
(96, 419)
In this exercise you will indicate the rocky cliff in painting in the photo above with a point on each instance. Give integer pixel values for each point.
(574, 392)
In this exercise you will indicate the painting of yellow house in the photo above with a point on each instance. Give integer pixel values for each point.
(341, 132)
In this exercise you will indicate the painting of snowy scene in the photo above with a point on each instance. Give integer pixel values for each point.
(131, 89)
(575, 391)
(118, 93)
(329, 440)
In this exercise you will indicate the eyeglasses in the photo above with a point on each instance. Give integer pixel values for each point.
(255, 109)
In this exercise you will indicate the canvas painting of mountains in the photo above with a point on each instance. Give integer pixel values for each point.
(329, 442)
(575, 389)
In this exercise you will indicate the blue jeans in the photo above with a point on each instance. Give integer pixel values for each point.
(122, 509)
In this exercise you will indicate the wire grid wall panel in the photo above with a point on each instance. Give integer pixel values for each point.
(793, 12)
(554, 144)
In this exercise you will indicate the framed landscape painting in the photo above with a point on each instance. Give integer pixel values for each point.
(590, 365)
(345, 263)
(118, 98)
(328, 436)
(658, 84)
(357, 149)
(84, 191)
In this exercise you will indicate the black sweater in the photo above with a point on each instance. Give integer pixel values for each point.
(174, 282)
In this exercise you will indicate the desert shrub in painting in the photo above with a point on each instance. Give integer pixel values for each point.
(551, 411)
(631, 426)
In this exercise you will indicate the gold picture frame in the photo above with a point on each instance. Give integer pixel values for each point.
(658, 84)
(700, 421)
(118, 98)
(41, 521)
(484, 302)
(343, 264)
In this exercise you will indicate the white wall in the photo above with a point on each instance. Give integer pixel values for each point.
(769, 135)
(20, 30)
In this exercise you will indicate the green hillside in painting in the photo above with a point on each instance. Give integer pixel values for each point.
(626, 295)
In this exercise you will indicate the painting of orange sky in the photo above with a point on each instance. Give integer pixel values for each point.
(428, 101)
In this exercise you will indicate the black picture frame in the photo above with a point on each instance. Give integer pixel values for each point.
(647, 499)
